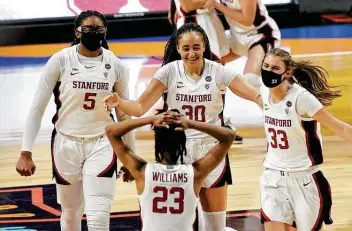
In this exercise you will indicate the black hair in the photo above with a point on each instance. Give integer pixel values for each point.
(170, 142)
(171, 54)
(86, 14)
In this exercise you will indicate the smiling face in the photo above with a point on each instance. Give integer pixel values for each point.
(191, 47)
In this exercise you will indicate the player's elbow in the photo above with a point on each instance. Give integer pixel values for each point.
(110, 131)
(228, 136)
(139, 113)
(247, 23)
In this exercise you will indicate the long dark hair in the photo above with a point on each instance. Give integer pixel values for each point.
(86, 14)
(312, 77)
(171, 54)
(170, 141)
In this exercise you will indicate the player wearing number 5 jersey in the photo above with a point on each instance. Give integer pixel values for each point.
(194, 86)
(80, 77)
(292, 186)
(168, 190)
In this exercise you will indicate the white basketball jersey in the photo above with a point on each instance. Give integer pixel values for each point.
(198, 100)
(261, 16)
(294, 142)
(79, 94)
(168, 201)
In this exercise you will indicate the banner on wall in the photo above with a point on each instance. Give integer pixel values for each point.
(34, 9)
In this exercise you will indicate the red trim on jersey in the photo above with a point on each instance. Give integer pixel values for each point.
(221, 117)
(220, 177)
(264, 216)
(109, 167)
(313, 142)
(56, 174)
(195, 225)
(57, 101)
(318, 222)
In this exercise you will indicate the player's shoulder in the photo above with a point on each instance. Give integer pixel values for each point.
(213, 66)
(63, 55)
(173, 65)
(212, 63)
(297, 90)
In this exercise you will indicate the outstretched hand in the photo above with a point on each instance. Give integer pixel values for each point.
(111, 102)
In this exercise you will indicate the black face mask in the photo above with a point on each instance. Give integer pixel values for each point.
(271, 79)
(92, 40)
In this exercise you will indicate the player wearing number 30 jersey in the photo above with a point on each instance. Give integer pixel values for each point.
(168, 190)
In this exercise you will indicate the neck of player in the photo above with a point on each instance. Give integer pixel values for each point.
(195, 70)
(87, 53)
(167, 160)
(277, 94)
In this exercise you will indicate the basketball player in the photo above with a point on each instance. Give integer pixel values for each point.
(293, 188)
(252, 32)
(194, 85)
(183, 11)
(168, 190)
(80, 77)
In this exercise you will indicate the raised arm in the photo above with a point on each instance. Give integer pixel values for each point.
(189, 5)
(340, 128)
(308, 106)
(245, 16)
(228, 76)
(114, 132)
(149, 97)
(243, 89)
(122, 89)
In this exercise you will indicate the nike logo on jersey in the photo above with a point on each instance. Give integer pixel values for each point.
(180, 86)
(89, 67)
(74, 73)
(305, 184)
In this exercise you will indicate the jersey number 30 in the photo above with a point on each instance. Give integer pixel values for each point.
(179, 196)
(196, 113)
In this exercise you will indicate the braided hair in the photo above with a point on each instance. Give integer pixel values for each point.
(169, 142)
(171, 54)
(86, 14)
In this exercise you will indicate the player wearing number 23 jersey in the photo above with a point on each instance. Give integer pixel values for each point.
(168, 191)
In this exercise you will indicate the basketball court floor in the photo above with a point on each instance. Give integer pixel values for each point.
(29, 203)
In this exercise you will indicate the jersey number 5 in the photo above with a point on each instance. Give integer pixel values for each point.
(179, 199)
(90, 99)
(278, 135)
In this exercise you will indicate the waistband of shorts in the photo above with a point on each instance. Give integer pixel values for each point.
(208, 140)
(81, 139)
(309, 171)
